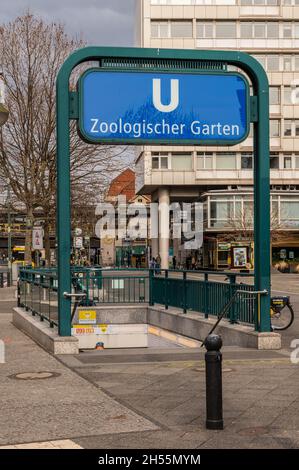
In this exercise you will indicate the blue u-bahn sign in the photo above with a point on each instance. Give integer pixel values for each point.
(163, 108)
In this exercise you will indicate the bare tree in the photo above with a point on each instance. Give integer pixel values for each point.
(32, 53)
(241, 225)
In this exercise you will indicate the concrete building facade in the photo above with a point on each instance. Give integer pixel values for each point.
(268, 30)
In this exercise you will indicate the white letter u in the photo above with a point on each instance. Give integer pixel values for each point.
(174, 102)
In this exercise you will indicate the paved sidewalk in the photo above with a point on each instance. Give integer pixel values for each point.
(50, 445)
(151, 398)
(57, 408)
(261, 399)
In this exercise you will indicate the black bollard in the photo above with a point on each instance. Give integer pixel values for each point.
(213, 357)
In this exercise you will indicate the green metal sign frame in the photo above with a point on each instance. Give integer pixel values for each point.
(170, 60)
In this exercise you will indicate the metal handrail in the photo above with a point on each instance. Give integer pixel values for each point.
(67, 295)
(252, 292)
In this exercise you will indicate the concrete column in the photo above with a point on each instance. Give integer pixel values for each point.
(155, 247)
(154, 230)
(164, 202)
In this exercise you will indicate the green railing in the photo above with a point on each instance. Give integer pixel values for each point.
(198, 291)
(204, 292)
(116, 286)
(37, 293)
(37, 289)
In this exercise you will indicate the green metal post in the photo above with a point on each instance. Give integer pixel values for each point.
(185, 292)
(166, 289)
(262, 209)
(206, 296)
(63, 202)
(151, 277)
(232, 310)
(87, 286)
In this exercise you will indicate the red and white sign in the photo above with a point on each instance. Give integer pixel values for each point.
(37, 238)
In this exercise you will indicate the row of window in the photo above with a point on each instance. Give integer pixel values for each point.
(278, 63)
(290, 95)
(219, 161)
(281, 128)
(225, 29)
(229, 161)
(290, 128)
(284, 210)
(226, 2)
(284, 128)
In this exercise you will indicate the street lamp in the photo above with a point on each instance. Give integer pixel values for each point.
(3, 111)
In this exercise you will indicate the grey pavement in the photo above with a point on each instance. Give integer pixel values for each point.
(56, 407)
(260, 392)
(149, 398)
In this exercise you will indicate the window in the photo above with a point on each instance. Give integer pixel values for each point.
(159, 29)
(274, 161)
(291, 127)
(155, 163)
(274, 128)
(296, 32)
(246, 161)
(287, 127)
(287, 63)
(296, 62)
(287, 30)
(226, 161)
(154, 30)
(272, 62)
(259, 2)
(160, 161)
(204, 30)
(259, 30)
(225, 30)
(272, 30)
(289, 210)
(248, 213)
(287, 95)
(181, 29)
(164, 163)
(221, 211)
(181, 161)
(274, 92)
(287, 162)
(205, 161)
(262, 60)
(246, 30)
(297, 161)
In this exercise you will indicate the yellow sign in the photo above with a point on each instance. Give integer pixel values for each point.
(87, 317)
(103, 328)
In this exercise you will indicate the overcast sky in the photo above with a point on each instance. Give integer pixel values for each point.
(100, 22)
